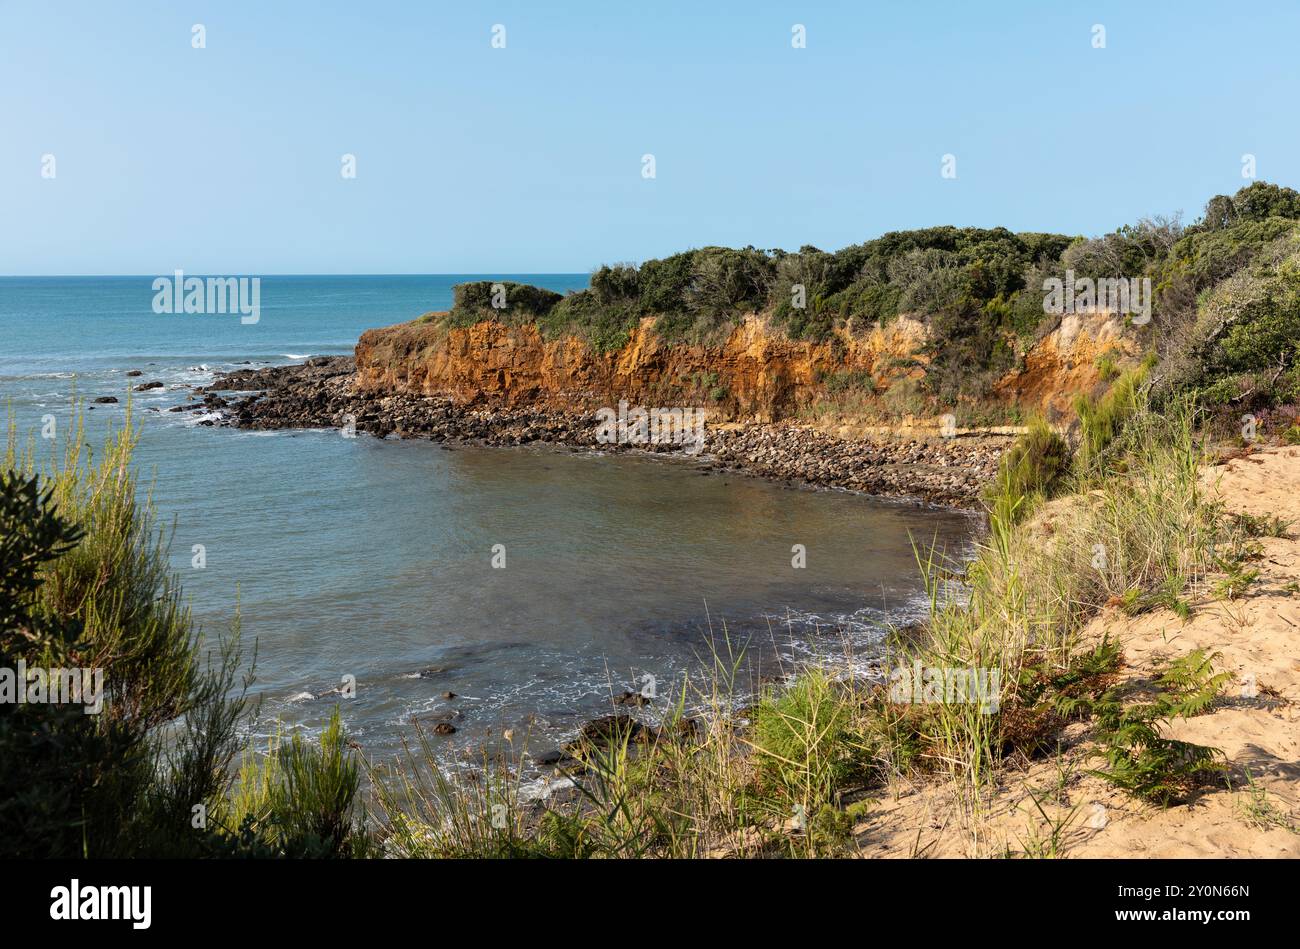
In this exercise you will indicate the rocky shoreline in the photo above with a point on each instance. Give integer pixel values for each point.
(322, 393)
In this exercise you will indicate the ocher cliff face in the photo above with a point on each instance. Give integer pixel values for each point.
(755, 375)
(1065, 363)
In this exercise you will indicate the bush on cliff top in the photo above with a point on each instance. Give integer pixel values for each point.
(519, 302)
(606, 326)
(1239, 350)
(979, 289)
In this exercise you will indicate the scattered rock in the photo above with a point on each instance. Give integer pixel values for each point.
(683, 728)
(550, 759)
(146, 386)
(323, 393)
(444, 728)
(610, 728)
(107, 400)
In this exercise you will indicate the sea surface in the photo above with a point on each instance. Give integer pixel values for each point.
(374, 558)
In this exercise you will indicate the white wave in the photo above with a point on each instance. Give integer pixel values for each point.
(542, 787)
(196, 418)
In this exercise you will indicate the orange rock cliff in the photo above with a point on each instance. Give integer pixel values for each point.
(755, 374)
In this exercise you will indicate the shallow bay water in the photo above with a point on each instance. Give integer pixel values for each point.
(375, 559)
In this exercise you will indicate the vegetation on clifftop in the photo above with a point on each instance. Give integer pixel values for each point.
(1225, 314)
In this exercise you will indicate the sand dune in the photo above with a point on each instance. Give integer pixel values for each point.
(1256, 723)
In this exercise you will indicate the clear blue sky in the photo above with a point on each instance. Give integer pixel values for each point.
(528, 158)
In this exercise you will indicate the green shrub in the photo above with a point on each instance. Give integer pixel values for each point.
(905, 397)
(299, 800)
(1101, 420)
(616, 284)
(523, 303)
(1030, 469)
(1241, 349)
(802, 743)
(1128, 251)
(838, 383)
(1107, 369)
(664, 283)
(1137, 757)
(85, 582)
(967, 350)
(698, 294)
(605, 327)
(1258, 201)
(1211, 256)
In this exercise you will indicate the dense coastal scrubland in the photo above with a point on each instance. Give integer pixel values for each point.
(1132, 610)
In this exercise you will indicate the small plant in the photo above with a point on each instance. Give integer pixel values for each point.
(1071, 692)
(300, 800)
(838, 383)
(1107, 369)
(1049, 697)
(1131, 602)
(1252, 525)
(1134, 601)
(1258, 811)
(1182, 608)
(1237, 580)
(1046, 839)
(1190, 683)
(1138, 759)
(1103, 420)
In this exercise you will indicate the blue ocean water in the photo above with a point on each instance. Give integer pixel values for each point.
(373, 558)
